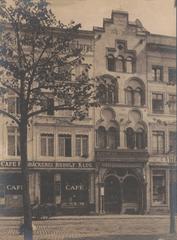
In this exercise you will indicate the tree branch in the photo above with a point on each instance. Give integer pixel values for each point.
(56, 108)
(10, 116)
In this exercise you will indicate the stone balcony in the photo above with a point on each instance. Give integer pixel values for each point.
(121, 155)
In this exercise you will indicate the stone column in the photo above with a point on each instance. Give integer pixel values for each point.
(92, 192)
(57, 184)
(34, 186)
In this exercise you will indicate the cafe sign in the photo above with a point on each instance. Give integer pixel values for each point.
(48, 165)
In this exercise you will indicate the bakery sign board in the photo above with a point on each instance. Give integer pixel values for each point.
(48, 165)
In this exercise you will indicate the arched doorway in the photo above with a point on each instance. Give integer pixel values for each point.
(131, 195)
(113, 198)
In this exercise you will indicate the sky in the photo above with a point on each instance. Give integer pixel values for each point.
(157, 16)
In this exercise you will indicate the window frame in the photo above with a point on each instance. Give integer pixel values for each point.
(111, 66)
(155, 69)
(158, 111)
(173, 81)
(47, 137)
(63, 152)
(163, 173)
(82, 137)
(16, 142)
(158, 134)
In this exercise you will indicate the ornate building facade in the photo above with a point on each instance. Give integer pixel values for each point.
(115, 160)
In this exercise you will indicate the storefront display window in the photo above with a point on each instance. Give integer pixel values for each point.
(74, 190)
(159, 187)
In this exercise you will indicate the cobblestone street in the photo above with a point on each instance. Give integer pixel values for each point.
(92, 228)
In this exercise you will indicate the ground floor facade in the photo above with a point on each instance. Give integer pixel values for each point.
(101, 187)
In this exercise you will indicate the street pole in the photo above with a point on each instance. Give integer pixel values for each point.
(172, 162)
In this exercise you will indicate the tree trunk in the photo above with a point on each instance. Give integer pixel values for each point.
(25, 178)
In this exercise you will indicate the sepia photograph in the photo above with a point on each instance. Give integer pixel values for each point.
(88, 120)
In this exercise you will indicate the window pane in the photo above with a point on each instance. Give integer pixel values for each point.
(172, 141)
(111, 63)
(11, 105)
(78, 146)
(61, 146)
(129, 65)
(159, 187)
(157, 103)
(18, 145)
(50, 146)
(68, 146)
(158, 142)
(50, 106)
(43, 146)
(137, 98)
(85, 146)
(172, 75)
(11, 145)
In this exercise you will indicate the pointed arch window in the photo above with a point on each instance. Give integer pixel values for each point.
(111, 63)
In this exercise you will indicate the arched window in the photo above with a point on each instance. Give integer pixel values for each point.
(103, 94)
(137, 97)
(108, 91)
(113, 138)
(130, 136)
(101, 137)
(140, 139)
(129, 65)
(120, 64)
(111, 62)
(129, 96)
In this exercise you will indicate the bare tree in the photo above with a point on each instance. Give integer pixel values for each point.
(37, 58)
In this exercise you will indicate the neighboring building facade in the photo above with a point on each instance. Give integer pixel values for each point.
(114, 161)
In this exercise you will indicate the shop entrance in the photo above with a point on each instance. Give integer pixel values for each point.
(47, 188)
(131, 195)
(113, 198)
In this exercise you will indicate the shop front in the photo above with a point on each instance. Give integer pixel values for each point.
(67, 185)
(11, 192)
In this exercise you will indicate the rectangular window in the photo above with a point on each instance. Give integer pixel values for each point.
(13, 141)
(172, 104)
(13, 105)
(172, 141)
(82, 145)
(50, 106)
(172, 75)
(157, 103)
(157, 73)
(47, 145)
(158, 142)
(159, 187)
(64, 145)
